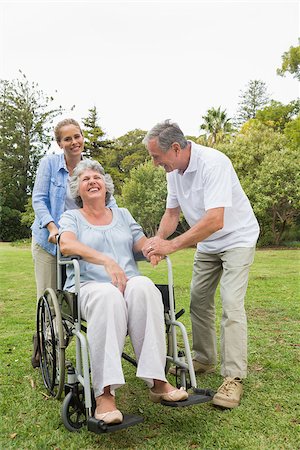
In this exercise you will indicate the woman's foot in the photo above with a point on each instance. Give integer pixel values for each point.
(110, 417)
(165, 391)
(106, 409)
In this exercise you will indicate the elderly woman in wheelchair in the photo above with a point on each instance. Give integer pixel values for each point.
(114, 299)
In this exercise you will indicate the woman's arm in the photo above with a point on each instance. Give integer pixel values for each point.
(40, 194)
(69, 245)
(53, 232)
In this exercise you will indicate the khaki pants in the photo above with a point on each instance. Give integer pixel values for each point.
(44, 268)
(231, 268)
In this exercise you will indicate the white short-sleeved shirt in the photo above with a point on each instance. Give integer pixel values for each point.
(210, 181)
(115, 240)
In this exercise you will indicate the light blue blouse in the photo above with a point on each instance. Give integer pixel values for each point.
(48, 198)
(116, 240)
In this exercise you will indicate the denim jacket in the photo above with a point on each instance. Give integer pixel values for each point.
(48, 198)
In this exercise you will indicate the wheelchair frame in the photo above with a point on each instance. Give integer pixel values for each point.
(55, 327)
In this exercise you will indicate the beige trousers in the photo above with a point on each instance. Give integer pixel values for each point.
(44, 269)
(110, 316)
(231, 268)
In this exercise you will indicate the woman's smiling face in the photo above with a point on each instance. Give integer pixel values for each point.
(71, 140)
(91, 185)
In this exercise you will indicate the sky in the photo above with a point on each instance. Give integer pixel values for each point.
(141, 62)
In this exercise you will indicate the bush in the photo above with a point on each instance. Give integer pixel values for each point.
(11, 226)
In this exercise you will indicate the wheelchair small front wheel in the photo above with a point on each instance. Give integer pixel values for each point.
(73, 412)
(51, 343)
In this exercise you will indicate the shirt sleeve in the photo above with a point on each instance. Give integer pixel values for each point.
(40, 195)
(68, 222)
(172, 200)
(135, 228)
(218, 186)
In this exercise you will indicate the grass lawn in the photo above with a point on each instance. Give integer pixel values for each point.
(268, 418)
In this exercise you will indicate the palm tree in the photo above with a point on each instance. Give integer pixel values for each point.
(216, 125)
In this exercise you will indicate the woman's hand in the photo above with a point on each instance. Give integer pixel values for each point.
(53, 232)
(155, 259)
(118, 276)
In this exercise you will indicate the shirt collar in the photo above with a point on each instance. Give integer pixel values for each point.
(62, 162)
(192, 166)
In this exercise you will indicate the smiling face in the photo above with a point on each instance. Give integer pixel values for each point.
(91, 186)
(168, 160)
(71, 140)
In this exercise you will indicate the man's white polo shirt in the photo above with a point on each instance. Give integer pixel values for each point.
(210, 181)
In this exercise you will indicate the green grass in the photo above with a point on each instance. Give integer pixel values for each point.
(268, 418)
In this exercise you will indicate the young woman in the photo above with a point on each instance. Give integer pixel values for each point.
(50, 198)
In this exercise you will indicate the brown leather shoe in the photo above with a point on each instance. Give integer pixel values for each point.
(229, 393)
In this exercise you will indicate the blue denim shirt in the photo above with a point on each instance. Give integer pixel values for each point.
(48, 198)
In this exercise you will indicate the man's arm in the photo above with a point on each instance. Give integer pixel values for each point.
(168, 223)
(167, 226)
(211, 222)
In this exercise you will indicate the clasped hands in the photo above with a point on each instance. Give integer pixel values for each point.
(155, 249)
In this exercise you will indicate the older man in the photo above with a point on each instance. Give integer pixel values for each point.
(203, 184)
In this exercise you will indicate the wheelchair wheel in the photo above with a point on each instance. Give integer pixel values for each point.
(51, 343)
(73, 412)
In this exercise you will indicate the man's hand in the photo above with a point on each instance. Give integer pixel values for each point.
(157, 247)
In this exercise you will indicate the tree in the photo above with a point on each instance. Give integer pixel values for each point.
(25, 118)
(292, 133)
(216, 125)
(267, 167)
(255, 97)
(127, 152)
(144, 194)
(95, 145)
(277, 115)
(277, 191)
(290, 62)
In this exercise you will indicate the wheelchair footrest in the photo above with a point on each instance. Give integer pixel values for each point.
(203, 396)
(98, 426)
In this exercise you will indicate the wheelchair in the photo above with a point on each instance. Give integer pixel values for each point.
(59, 320)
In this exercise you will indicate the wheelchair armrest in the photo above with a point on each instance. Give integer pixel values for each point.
(69, 258)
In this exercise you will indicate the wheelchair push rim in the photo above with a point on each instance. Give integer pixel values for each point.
(51, 343)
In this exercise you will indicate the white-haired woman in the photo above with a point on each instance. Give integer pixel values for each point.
(114, 298)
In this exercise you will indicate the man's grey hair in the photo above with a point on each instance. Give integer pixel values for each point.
(78, 171)
(167, 133)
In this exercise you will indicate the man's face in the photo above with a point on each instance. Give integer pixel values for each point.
(168, 160)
